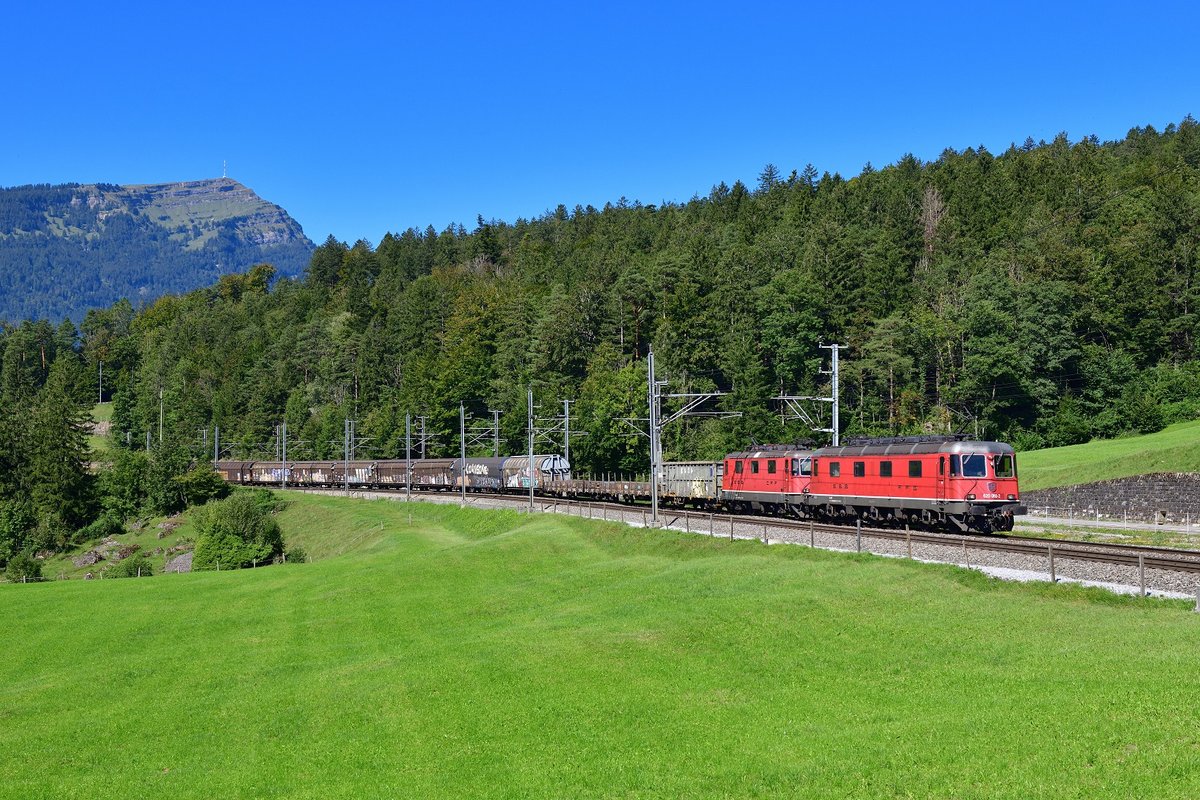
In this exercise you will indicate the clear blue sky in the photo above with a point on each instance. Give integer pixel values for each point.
(361, 118)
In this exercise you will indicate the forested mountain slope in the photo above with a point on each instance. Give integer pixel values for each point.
(1044, 295)
(65, 249)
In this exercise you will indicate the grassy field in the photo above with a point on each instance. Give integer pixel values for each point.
(101, 412)
(490, 654)
(1174, 449)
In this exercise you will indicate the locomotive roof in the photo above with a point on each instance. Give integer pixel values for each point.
(916, 448)
(772, 453)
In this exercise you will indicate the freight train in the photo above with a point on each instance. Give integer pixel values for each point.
(936, 483)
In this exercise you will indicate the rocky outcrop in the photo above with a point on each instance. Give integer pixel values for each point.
(184, 207)
(180, 563)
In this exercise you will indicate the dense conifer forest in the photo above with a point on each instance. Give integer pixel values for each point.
(1045, 295)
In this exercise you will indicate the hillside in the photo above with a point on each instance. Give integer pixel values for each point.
(1175, 449)
(490, 654)
(65, 249)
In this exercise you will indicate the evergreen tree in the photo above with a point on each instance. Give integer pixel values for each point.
(61, 487)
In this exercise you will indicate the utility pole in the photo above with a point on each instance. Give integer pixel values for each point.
(216, 443)
(834, 389)
(283, 466)
(346, 452)
(160, 415)
(495, 432)
(408, 456)
(567, 431)
(656, 422)
(531, 448)
(422, 418)
(654, 438)
(794, 406)
(462, 453)
(101, 398)
(552, 427)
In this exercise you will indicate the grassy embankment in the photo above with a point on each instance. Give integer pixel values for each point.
(488, 654)
(101, 413)
(1173, 449)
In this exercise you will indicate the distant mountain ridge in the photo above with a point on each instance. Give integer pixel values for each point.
(71, 247)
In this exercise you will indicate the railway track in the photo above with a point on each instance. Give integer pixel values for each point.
(1140, 557)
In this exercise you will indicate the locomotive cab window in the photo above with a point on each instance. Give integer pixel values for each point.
(860, 469)
(885, 469)
(805, 466)
(1004, 466)
(835, 469)
(771, 467)
(914, 469)
(737, 467)
(753, 467)
(969, 466)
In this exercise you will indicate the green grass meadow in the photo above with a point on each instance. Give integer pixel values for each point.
(101, 412)
(492, 654)
(1176, 448)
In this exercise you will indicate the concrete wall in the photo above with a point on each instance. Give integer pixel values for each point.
(1161, 497)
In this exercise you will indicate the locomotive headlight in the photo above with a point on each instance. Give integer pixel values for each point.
(1012, 497)
(970, 497)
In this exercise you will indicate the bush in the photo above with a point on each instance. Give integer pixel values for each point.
(1180, 411)
(296, 555)
(1023, 440)
(23, 567)
(106, 525)
(136, 566)
(201, 484)
(236, 532)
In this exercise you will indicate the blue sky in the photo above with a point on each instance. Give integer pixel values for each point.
(363, 118)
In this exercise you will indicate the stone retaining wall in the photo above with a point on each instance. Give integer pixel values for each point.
(1160, 497)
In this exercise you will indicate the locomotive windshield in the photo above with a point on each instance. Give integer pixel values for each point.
(969, 466)
(1004, 466)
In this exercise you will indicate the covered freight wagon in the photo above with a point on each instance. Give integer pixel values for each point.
(690, 482)
(545, 469)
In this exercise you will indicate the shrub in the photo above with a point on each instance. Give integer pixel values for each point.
(1023, 440)
(107, 524)
(202, 483)
(137, 565)
(236, 532)
(23, 567)
(296, 555)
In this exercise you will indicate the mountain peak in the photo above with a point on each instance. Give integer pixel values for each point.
(67, 248)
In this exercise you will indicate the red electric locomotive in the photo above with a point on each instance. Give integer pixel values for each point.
(769, 479)
(940, 482)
